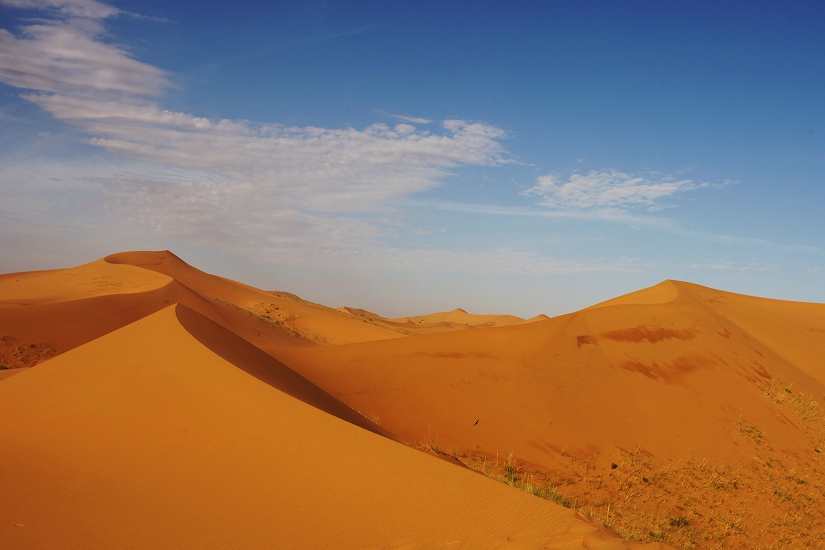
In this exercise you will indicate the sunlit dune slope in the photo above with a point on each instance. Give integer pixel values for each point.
(659, 370)
(312, 322)
(457, 319)
(794, 330)
(84, 281)
(46, 313)
(172, 433)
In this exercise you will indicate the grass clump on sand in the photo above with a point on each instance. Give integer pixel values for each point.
(689, 504)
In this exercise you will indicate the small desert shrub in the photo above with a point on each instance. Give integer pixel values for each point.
(679, 521)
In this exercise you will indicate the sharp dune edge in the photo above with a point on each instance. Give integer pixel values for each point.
(149, 404)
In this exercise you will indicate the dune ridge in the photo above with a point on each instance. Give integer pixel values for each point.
(654, 382)
(649, 413)
(152, 436)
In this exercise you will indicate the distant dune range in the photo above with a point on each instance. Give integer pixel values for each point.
(143, 413)
(155, 405)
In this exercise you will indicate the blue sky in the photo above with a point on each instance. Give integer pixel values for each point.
(518, 157)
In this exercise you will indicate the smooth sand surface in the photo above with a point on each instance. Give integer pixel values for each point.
(169, 433)
(312, 322)
(659, 371)
(794, 330)
(56, 311)
(98, 278)
(446, 321)
(664, 292)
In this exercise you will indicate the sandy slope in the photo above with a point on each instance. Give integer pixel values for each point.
(157, 436)
(43, 314)
(728, 388)
(660, 370)
(85, 281)
(46, 313)
(312, 322)
(447, 321)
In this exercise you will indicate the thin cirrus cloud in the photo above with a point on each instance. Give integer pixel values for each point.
(315, 168)
(601, 190)
(303, 194)
(67, 57)
(413, 119)
(70, 8)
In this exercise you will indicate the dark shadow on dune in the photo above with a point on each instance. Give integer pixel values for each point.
(265, 368)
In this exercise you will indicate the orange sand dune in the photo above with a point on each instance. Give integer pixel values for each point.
(46, 313)
(457, 319)
(172, 433)
(676, 374)
(85, 281)
(461, 317)
(794, 330)
(613, 377)
(311, 321)
(35, 327)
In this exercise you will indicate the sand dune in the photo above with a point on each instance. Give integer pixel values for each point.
(172, 433)
(568, 382)
(218, 414)
(311, 322)
(43, 314)
(447, 321)
(673, 375)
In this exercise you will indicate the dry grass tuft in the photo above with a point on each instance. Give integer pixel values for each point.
(769, 503)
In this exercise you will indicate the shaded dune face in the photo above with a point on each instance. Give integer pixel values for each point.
(56, 311)
(172, 433)
(306, 323)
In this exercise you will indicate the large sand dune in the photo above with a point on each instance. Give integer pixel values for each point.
(173, 433)
(46, 313)
(170, 407)
(705, 392)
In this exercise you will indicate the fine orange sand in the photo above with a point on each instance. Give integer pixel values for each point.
(707, 405)
(156, 436)
(150, 419)
(50, 312)
(166, 407)
(447, 321)
(613, 377)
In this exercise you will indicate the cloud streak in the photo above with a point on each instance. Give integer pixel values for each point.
(67, 57)
(316, 168)
(67, 8)
(297, 192)
(606, 190)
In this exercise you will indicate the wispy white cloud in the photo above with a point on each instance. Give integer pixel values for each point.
(413, 120)
(69, 8)
(404, 118)
(727, 265)
(68, 57)
(613, 215)
(606, 190)
(294, 192)
(316, 168)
